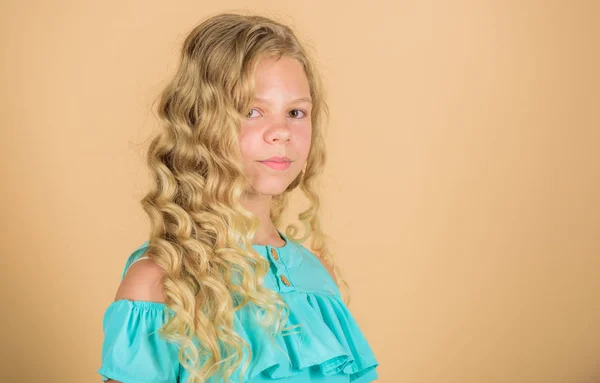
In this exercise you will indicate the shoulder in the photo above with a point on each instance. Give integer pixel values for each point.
(142, 282)
(326, 266)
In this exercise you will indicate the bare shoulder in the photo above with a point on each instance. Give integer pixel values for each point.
(142, 282)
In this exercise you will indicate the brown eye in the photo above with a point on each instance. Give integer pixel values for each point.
(249, 114)
(295, 112)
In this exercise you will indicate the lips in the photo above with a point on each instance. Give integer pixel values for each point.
(277, 165)
(277, 159)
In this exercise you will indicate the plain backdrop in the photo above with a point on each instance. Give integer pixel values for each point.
(462, 189)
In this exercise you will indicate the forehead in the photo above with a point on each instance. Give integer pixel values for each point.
(277, 77)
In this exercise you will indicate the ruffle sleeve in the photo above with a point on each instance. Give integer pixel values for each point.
(132, 350)
(328, 342)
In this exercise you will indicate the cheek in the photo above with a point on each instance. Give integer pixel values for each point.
(245, 143)
(304, 139)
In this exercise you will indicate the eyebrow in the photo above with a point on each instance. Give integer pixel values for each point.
(302, 99)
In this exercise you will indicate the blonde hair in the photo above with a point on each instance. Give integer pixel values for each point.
(200, 234)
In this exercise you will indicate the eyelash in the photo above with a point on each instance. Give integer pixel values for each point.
(295, 118)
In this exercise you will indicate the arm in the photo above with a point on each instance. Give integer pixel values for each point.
(142, 282)
(129, 326)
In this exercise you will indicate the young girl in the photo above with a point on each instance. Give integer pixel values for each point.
(218, 293)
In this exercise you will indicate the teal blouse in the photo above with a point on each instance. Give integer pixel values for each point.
(328, 347)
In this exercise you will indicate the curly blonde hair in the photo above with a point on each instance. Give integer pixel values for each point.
(201, 235)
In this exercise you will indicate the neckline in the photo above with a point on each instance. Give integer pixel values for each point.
(284, 247)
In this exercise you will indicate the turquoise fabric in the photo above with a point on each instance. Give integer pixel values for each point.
(329, 346)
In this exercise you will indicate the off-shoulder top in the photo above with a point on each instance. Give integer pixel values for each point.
(328, 347)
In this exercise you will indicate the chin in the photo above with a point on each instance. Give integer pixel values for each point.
(271, 189)
(271, 186)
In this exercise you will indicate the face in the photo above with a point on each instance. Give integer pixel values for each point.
(278, 124)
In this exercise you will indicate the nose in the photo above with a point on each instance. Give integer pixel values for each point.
(278, 131)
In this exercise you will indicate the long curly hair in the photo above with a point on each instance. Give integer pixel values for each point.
(201, 235)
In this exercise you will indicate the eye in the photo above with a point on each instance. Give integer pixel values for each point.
(249, 114)
(294, 113)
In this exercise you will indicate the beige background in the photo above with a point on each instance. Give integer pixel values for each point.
(463, 187)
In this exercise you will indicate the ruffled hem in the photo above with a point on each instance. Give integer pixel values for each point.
(328, 339)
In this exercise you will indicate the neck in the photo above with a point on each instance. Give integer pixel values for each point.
(260, 206)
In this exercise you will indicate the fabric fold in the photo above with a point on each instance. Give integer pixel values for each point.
(328, 342)
(132, 350)
(328, 339)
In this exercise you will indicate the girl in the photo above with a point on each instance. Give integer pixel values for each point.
(218, 293)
